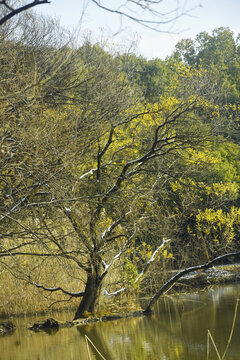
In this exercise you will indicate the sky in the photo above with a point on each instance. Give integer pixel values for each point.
(121, 33)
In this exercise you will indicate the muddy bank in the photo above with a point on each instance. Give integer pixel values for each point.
(54, 324)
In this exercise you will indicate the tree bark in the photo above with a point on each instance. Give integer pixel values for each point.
(91, 294)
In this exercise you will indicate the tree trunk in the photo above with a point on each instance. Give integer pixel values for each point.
(91, 295)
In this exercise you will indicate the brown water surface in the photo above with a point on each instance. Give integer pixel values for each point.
(176, 331)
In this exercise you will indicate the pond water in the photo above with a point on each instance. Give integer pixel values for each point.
(177, 330)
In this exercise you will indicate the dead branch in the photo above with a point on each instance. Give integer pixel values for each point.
(78, 294)
(15, 11)
(181, 273)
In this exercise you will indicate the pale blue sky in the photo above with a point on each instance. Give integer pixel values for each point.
(212, 14)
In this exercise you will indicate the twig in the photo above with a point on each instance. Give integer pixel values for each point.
(214, 345)
(232, 329)
(90, 341)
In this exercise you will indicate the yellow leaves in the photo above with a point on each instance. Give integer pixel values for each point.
(181, 184)
(221, 189)
(184, 71)
(105, 222)
(209, 215)
(166, 254)
(176, 186)
(169, 103)
(203, 103)
(217, 225)
(8, 172)
(216, 111)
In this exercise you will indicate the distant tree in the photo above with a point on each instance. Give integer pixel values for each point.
(219, 53)
(151, 76)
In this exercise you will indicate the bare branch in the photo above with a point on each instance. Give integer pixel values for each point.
(37, 254)
(143, 273)
(13, 12)
(117, 256)
(77, 228)
(181, 273)
(153, 19)
(154, 150)
(23, 201)
(151, 260)
(72, 294)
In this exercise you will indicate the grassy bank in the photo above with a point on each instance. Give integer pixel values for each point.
(17, 298)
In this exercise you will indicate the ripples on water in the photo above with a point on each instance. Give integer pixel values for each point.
(176, 331)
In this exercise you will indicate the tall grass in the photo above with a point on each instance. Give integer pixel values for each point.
(19, 298)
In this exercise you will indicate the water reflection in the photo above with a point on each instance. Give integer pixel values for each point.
(177, 330)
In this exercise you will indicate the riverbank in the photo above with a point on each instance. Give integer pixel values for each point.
(177, 330)
(218, 275)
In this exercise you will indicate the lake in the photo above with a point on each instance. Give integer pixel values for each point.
(177, 330)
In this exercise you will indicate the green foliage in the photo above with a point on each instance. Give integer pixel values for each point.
(151, 76)
(129, 275)
(219, 54)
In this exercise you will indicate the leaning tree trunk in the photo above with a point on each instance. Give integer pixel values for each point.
(91, 295)
(165, 287)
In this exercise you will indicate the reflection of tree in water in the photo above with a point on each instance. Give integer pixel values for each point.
(92, 332)
(176, 330)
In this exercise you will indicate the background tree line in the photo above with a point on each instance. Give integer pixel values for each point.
(107, 156)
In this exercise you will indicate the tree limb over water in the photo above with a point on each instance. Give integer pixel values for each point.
(181, 273)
